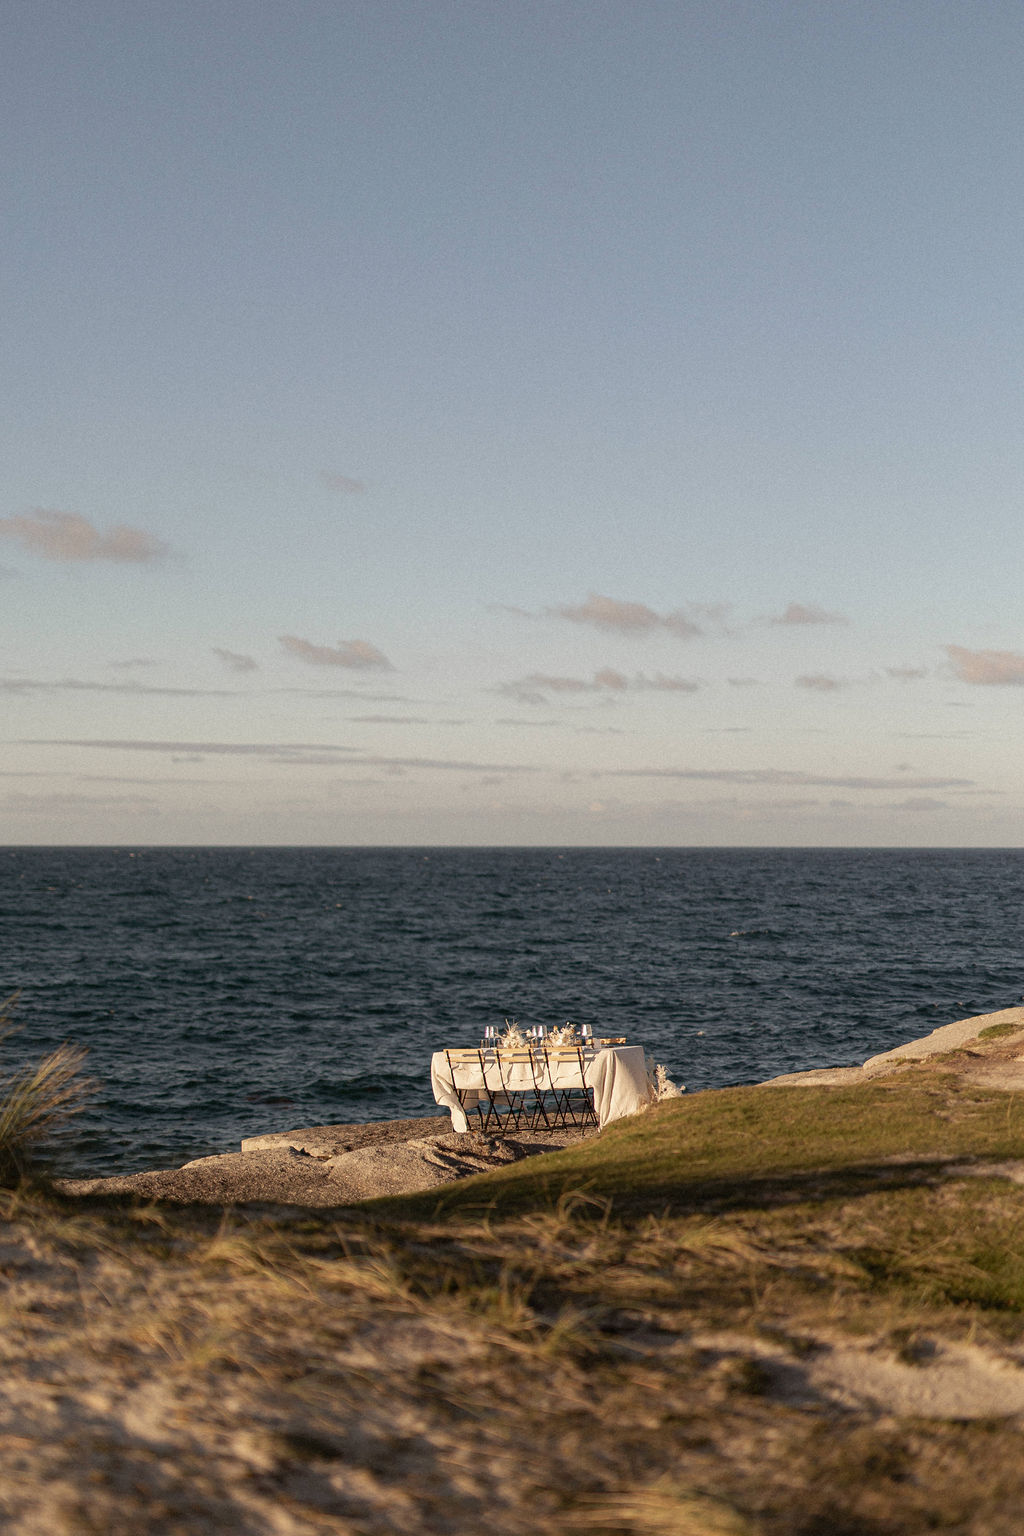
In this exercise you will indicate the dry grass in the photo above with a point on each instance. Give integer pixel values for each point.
(632, 1360)
(36, 1101)
(662, 1509)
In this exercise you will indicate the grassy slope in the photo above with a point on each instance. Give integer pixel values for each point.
(794, 1219)
(752, 1146)
(576, 1343)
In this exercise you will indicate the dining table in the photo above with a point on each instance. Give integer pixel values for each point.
(618, 1076)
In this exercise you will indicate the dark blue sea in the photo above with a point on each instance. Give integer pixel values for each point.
(223, 992)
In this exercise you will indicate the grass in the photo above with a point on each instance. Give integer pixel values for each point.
(593, 1340)
(754, 1146)
(997, 1031)
(36, 1101)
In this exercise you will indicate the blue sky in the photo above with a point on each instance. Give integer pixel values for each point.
(512, 423)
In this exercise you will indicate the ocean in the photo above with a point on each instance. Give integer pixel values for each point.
(224, 992)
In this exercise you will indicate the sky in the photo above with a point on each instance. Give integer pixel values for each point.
(509, 423)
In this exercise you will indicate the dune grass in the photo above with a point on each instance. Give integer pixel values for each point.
(610, 1339)
(580, 1363)
(36, 1101)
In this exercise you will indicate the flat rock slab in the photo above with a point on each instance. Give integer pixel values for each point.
(994, 1063)
(332, 1140)
(332, 1165)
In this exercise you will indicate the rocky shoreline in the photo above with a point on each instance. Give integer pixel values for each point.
(338, 1165)
(332, 1165)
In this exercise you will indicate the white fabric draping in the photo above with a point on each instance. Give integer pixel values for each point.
(618, 1075)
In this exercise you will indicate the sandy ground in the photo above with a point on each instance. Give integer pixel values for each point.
(945, 1380)
(192, 1381)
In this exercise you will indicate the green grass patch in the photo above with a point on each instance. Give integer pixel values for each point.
(997, 1031)
(753, 1146)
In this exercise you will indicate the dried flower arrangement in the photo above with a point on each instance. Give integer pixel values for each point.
(664, 1087)
(513, 1038)
(564, 1034)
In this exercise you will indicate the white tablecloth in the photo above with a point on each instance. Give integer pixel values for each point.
(618, 1075)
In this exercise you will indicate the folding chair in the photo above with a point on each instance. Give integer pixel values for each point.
(572, 1101)
(509, 1099)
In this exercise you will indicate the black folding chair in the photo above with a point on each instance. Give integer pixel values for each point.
(571, 1101)
(515, 1098)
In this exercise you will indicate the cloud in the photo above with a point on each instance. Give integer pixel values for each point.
(530, 725)
(661, 684)
(307, 754)
(609, 678)
(442, 764)
(134, 661)
(26, 685)
(120, 778)
(236, 661)
(541, 680)
(60, 804)
(361, 694)
(916, 804)
(608, 613)
(66, 536)
(343, 484)
(988, 668)
(808, 613)
(535, 688)
(520, 613)
(783, 776)
(820, 682)
(401, 720)
(348, 653)
(907, 674)
(273, 749)
(98, 778)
